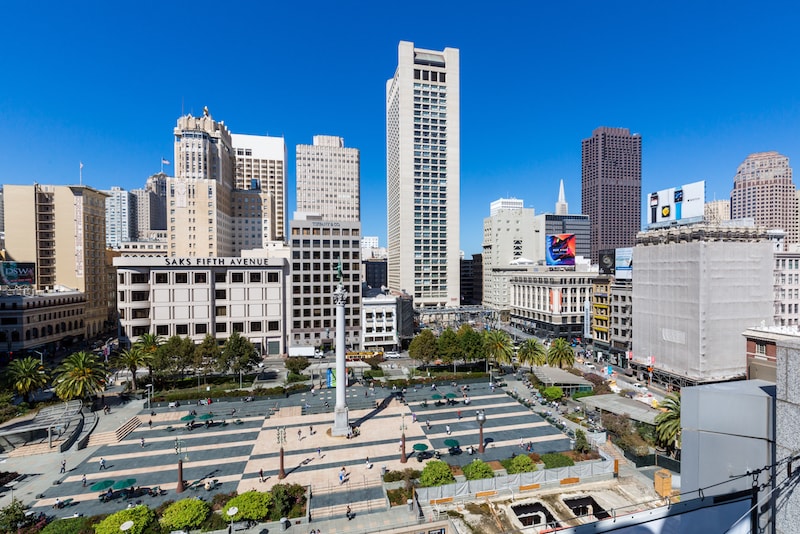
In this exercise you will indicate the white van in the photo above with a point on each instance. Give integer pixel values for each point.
(639, 388)
(392, 355)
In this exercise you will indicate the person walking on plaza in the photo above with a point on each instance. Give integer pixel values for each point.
(261, 475)
(299, 434)
(150, 424)
(102, 463)
(84, 480)
(63, 466)
(142, 442)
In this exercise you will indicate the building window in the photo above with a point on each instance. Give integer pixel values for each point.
(162, 330)
(238, 327)
(237, 278)
(181, 278)
(272, 278)
(221, 311)
(139, 278)
(219, 294)
(162, 278)
(200, 328)
(255, 277)
(273, 326)
(219, 277)
(199, 278)
(222, 327)
(181, 329)
(761, 348)
(255, 326)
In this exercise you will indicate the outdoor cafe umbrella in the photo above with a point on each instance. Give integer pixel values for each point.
(436, 396)
(420, 447)
(451, 395)
(188, 417)
(124, 483)
(100, 486)
(206, 416)
(453, 443)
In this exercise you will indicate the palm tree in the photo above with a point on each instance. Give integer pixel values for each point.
(497, 346)
(27, 375)
(560, 354)
(80, 375)
(532, 353)
(149, 343)
(132, 359)
(668, 423)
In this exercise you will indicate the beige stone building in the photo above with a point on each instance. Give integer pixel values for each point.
(328, 179)
(62, 229)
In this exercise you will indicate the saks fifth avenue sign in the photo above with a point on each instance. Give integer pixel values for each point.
(217, 262)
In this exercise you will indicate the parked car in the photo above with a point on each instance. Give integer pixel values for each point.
(392, 355)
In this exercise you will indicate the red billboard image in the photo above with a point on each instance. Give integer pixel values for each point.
(560, 249)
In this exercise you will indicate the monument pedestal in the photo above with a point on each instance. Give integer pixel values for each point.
(341, 422)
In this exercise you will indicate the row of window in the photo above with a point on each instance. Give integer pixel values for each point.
(235, 277)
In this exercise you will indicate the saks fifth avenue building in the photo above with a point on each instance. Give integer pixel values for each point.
(192, 297)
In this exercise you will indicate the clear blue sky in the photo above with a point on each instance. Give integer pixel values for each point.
(705, 84)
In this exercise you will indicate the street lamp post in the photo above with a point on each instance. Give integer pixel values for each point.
(179, 448)
(403, 458)
(480, 416)
(41, 356)
(281, 440)
(232, 511)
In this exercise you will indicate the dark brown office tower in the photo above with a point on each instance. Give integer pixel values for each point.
(611, 190)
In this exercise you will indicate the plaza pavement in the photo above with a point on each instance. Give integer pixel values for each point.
(231, 455)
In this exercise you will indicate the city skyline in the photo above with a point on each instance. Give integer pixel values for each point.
(86, 84)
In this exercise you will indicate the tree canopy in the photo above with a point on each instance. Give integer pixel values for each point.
(560, 354)
(423, 346)
(448, 346)
(532, 352)
(436, 473)
(668, 422)
(498, 346)
(471, 343)
(238, 354)
(79, 376)
(26, 376)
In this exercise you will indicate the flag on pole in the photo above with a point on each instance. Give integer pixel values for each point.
(165, 162)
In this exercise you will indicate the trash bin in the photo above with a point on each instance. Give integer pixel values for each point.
(410, 504)
(284, 523)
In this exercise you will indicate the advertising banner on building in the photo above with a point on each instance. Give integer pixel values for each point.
(607, 261)
(623, 263)
(560, 249)
(16, 274)
(676, 205)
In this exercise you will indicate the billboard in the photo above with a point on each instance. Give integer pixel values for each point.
(623, 263)
(676, 205)
(607, 261)
(560, 249)
(17, 274)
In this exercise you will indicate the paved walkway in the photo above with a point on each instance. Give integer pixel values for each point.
(231, 455)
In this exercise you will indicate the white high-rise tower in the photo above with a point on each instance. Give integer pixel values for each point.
(423, 174)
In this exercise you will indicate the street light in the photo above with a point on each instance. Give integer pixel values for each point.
(403, 458)
(41, 356)
(281, 440)
(126, 526)
(232, 511)
(179, 448)
(480, 416)
(149, 388)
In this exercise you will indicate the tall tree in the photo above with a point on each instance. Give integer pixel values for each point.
(206, 355)
(560, 354)
(668, 422)
(238, 354)
(498, 346)
(448, 347)
(532, 353)
(471, 343)
(79, 376)
(26, 376)
(133, 359)
(423, 346)
(149, 343)
(174, 356)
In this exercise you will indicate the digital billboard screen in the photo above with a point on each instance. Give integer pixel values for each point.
(676, 205)
(560, 249)
(607, 261)
(623, 263)
(16, 274)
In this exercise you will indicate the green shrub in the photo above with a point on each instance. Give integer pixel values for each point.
(519, 464)
(185, 514)
(406, 474)
(252, 505)
(73, 525)
(294, 377)
(436, 473)
(553, 393)
(581, 443)
(580, 394)
(141, 516)
(288, 500)
(553, 459)
(477, 469)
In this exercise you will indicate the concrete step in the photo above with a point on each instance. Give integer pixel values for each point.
(34, 448)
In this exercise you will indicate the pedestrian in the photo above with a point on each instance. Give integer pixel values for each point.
(413, 417)
(368, 464)
(521, 443)
(102, 463)
(341, 477)
(349, 513)
(459, 415)
(142, 442)
(150, 424)
(261, 475)
(310, 430)
(63, 466)
(428, 424)
(447, 429)
(319, 452)
(83, 480)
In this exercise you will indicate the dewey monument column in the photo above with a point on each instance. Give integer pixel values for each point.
(341, 422)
